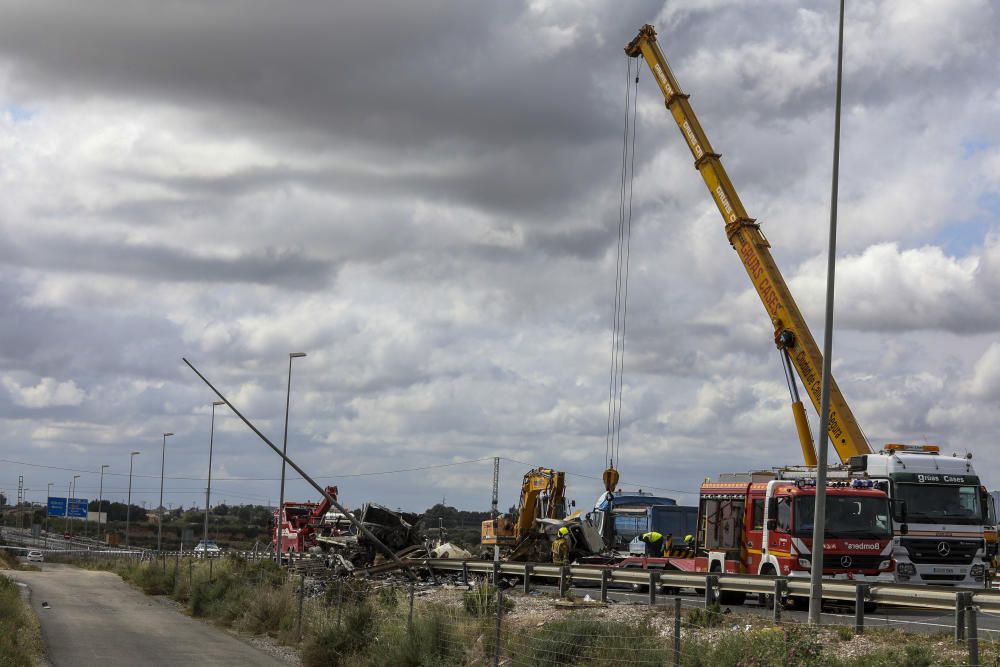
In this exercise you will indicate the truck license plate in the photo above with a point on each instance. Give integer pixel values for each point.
(943, 570)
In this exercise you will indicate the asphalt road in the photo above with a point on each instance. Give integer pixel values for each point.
(95, 618)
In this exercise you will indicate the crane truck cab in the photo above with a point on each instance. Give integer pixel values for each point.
(762, 523)
(758, 523)
(940, 517)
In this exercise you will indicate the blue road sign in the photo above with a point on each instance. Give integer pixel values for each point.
(78, 508)
(57, 507)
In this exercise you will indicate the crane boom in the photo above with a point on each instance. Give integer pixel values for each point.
(791, 334)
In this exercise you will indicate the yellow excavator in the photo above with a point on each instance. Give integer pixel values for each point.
(543, 496)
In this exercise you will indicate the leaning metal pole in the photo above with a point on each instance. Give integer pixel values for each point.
(819, 521)
(333, 501)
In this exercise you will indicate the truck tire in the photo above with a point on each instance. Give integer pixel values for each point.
(766, 600)
(728, 597)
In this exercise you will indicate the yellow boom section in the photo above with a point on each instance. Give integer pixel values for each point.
(790, 330)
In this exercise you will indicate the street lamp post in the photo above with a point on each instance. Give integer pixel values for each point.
(72, 496)
(128, 506)
(159, 522)
(284, 450)
(48, 495)
(208, 489)
(100, 500)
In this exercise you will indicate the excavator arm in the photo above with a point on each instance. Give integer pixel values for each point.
(791, 334)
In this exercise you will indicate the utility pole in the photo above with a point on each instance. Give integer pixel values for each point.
(819, 513)
(496, 499)
(100, 500)
(48, 495)
(20, 496)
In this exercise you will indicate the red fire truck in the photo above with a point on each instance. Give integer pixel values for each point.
(760, 523)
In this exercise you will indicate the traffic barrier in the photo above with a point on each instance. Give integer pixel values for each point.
(900, 595)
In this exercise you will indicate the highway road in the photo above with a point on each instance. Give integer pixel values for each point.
(96, 619)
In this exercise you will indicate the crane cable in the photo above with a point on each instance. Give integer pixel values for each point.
(619, 310)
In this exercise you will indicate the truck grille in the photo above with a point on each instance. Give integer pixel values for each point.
(960, 552)
(858, 562)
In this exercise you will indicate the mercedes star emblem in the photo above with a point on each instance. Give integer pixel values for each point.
(943, 548)
(845, 561)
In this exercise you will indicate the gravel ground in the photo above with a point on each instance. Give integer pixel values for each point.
(537, 609)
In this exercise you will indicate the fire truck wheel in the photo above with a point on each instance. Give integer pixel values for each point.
(732, 597)
(766, 600)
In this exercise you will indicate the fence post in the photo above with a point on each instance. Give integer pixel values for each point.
(409, 615)
(528, 569)
(605, 576)
(340, 599)
(177, 566)
(190, 575)
(209, 568)
(496, 646)
(711, 581)
(960, 605)
(430, 569)
(970, 618)
(677, 632)
(465, 572)
(302, 597)
(860, 595)
(654, 583)
(779, 594)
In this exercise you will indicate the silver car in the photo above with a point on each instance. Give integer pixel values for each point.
(207, 549)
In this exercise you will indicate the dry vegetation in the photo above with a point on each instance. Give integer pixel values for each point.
(452, 625)
(20, 635)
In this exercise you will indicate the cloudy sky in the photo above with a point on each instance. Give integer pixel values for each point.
(424, 198)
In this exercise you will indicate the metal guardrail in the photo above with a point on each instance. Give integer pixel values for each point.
(902, 595)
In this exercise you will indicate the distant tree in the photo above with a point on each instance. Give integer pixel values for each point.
(221, 510)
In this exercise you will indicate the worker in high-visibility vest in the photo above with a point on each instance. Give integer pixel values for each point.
(654, 543)
(560, 547)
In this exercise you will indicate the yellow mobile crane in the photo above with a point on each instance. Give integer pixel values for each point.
(940, 499)
(791, 334)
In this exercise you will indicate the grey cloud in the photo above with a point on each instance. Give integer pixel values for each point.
(422, 197)
(290, 269)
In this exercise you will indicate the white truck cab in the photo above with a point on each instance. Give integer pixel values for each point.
(939, 512)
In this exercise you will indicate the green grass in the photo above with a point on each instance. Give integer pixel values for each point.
(482, 601)
(709, 617)
(20, 635)
(581, 640)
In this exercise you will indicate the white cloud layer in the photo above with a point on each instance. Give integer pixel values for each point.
(424, 198)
